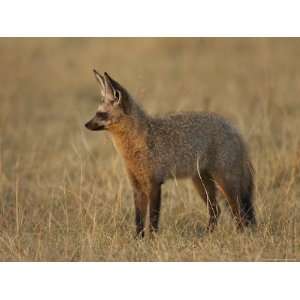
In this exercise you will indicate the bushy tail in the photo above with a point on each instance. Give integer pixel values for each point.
(247, 209)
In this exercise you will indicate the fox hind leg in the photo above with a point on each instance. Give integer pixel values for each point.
(207, 189)
(231, 189)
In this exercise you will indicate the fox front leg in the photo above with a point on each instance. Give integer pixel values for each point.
(155, 203)
(141, 199)
(141, 204)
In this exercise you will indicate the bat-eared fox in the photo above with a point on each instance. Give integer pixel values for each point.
(198, 145)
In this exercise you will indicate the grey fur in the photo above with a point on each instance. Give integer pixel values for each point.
(202, 146)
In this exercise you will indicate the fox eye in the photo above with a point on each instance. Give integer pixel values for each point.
(102, 115)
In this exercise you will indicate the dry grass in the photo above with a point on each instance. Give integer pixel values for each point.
(64, 195)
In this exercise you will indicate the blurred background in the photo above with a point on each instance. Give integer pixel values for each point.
(56, 176)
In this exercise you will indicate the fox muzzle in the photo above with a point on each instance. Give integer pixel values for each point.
(95, 124)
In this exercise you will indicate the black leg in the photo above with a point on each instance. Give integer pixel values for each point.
(141, 203)
(155, 203)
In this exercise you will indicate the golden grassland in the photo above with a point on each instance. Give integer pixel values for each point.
(64, 194)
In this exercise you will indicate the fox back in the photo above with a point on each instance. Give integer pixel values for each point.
(184, 144)
(202, 146)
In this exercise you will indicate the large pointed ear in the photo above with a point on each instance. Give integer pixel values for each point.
(117, 93)
(100, 79)
(112, 88)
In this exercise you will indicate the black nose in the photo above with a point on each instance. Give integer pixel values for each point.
(87, 125)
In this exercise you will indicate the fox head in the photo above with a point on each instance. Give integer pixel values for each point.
(114, 105)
